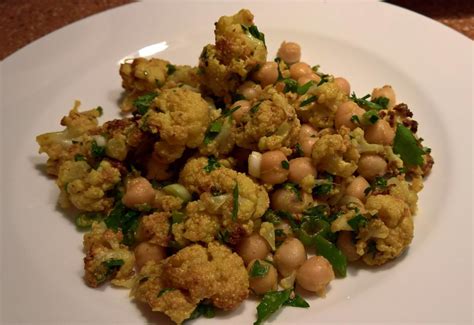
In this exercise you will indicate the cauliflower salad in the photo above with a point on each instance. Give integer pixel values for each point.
(242, 176)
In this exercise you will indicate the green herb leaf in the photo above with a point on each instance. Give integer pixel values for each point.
(371, 116)
(380, 182)
(170, 69)
(223, 236)
(212, 164)
(322, 189)
(253, 30)
(297, 301)
(308, 100)
(364, 103)
(258, 269)
(359, 221)
(255, 108)
(271, 216)
(301, 90)
(125, 219)
(324, 79)
(203, 309)
(113, 263)
(406, 145)
(382, 101)
(96, 150)
(214, 128)
(79, 157)
(271, 302)
(332, 254)
(142, 103)
(290, 85)
(299, 150)
(100, 110)
(285, 164)
(235, 206)
(163, 291)
(355, 119)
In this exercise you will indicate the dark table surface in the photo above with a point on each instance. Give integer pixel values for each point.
(23, 21)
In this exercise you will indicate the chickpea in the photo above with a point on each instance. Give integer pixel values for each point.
(387, 92)
(289, 52)
(138, 191)
(315, 274)
(346, 245)
(357, 188)
(253, 247)
(289, 256)
(300, 69)
(146, 251)
(306, 131)
(267, 74)
(250, 90)
(287, 200)
(263, 284)
(271, 169)
(300, 168)
(371, 165)
(241, 111)
(344, 114)
(307, 138)
(344, 85)
(380, 133)
(309, 77)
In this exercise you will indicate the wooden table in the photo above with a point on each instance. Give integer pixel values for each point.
(23, 21)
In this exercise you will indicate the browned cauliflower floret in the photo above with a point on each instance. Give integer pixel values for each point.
(180, 117)
(179, 283)
(386, 238)
(64, 145)
(328, 155)
(122, 136)
(271, 125)
(106, 258)
(403, 190)
(143, 75)
(236, 53)
(85, 187)
(155, 228)
(215, 273)
(230, 198)
(319, 105)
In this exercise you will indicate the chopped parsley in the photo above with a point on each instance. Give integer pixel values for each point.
(285, 164)
(271, 216)
(359, 221)
(253, 30)
(203, 309)
(355, 119)
(235, 206)
(100, 110)
(382, 101)
(301, 90)
(406, 145)
(212, 164)
(142, 103)
(363, 102)
(322, 189)
(96, 150)
(299, 150)
(308, 100)
(371, 116)
(258, 269)
(125, 219)
(214, 129)
(324, 79)
(170, 69)
(380, 182)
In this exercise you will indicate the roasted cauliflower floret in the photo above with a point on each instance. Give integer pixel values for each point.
(237, 52)
(328, 155)
(106, 258)
(386, 239)
(155, 228)
(230, 197)
(318, 106)
(180, 117)
(143, 75)
(215, 273)
(271, 125)
(64, 145)
(85, 187)
(179, 283)
(123, 136)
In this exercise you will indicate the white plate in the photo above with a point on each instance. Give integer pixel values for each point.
(371, 44)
